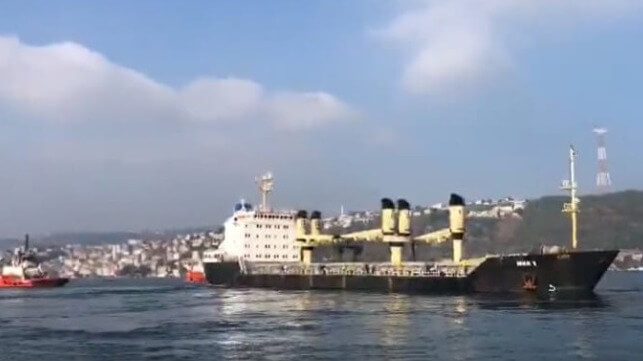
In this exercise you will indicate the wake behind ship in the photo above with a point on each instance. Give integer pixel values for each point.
(274, 249)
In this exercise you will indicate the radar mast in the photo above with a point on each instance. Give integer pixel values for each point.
(571, 186)
(266, 185)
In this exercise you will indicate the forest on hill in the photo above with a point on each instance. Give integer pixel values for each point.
(613, 220)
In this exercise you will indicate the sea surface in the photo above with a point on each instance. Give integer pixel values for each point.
(152, 319)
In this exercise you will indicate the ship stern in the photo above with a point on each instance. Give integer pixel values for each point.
(223, 273)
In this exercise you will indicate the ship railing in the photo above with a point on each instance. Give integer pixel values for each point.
(359, 269)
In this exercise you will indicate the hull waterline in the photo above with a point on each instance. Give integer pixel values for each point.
(571, 272)
(10, 282)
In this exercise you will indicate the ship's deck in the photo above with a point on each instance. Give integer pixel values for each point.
(409, 269)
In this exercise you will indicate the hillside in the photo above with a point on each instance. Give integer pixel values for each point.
(607, 221)
(100, 238)
(612, 220)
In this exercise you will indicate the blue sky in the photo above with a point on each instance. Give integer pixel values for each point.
(155, 114)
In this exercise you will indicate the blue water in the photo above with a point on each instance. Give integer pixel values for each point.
(171, 320)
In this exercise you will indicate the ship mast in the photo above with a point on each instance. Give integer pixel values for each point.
(266, 185)
(571, 186)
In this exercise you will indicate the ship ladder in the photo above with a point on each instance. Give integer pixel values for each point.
(242, 265)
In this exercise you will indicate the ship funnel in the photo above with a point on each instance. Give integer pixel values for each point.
(315, 223)
(388, 217)
(300, 225)
(403, 217)
(456, 225)
(26, 242)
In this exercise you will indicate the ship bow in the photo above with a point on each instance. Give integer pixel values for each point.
(566, 272)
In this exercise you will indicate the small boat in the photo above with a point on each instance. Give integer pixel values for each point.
(195, 273)
(24, 271)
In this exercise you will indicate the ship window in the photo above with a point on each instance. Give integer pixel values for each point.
(285, 227)
(267, 256)
(294, 256)
(258, 256)
(268, 226)
(258, 226)
(257, 236)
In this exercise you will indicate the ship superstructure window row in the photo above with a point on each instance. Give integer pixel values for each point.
(264, 230)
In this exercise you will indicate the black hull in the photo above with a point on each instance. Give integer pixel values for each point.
(573, 272)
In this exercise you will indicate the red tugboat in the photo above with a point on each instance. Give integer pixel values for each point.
(195, 273)
(23, 271)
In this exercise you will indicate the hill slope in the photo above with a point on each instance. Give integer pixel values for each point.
(612, 220)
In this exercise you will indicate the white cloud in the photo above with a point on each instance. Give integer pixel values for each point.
(306, 110)
(456, 44)
(216, 99)
(66, 82)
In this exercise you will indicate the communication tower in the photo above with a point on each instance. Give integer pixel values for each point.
(603, 180)
(266, 185)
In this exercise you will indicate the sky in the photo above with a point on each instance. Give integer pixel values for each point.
(132, 115)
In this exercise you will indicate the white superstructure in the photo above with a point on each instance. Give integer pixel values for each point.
(21, 265)
(257, 234)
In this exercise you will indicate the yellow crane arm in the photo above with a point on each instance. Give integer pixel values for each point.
(368, 235)
(435, 237)
(324, 238)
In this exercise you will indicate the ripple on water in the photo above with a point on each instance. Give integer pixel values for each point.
(169, 320)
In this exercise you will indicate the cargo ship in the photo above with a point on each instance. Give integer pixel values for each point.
(275, 249)
(23, 270)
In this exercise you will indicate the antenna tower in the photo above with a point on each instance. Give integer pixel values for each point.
(603, 180)
(266, 185)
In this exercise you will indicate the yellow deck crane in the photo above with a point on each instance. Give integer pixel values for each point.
(395, 234)
(308, 240)
(395, 230)
(309, 236)
(399, 236)
(455, 232)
